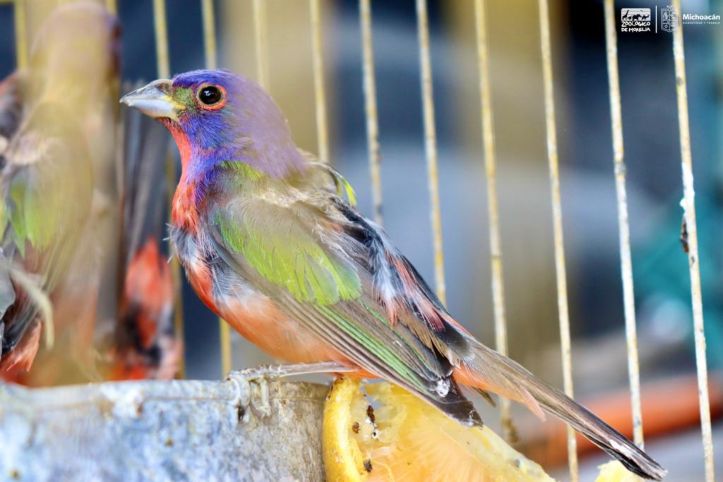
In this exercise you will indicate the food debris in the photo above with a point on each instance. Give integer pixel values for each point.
(370, 413)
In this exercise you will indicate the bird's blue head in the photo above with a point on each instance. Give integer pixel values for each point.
(216, 116)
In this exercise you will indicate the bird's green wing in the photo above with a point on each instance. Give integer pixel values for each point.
(293, 250)
(288, 257)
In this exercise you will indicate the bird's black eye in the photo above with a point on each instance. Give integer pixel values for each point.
(210, 95)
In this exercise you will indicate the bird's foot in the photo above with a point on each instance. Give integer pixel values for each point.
(280, 371)
(253, 383)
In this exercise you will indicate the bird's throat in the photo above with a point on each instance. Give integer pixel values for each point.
(184, 212)
(182, 141)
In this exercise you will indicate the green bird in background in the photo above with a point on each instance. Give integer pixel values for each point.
(54, 142)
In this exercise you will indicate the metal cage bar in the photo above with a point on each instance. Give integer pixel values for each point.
(261, 43)
(488, 139)
(209, 34)
(21, 36)
(626, 264)
(370, 107)
(430, 147)
(317, 53)
(688, 204)
(160, 28)
(560, 270)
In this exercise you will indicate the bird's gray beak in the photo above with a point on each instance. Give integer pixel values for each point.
(153, 100)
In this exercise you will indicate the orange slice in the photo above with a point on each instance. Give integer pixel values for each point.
(614, 471)
(387, 434)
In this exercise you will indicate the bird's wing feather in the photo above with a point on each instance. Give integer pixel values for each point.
(46, 190)
(293, 250)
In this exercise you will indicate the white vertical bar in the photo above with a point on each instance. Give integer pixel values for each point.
(21, 35)
(488, 138)
(319, 91)
(626, 264)
(260, 38)
(561, 272)
(370, 106)
(161, 30)
(209, 33)
(430, 144)
(688, 204)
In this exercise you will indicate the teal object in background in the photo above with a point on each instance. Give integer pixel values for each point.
(662, 271)
(661, 268)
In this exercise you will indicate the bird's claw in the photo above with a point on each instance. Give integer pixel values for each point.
(252, 384)
(280, 371)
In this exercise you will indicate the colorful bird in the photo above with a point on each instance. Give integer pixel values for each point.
(273, 244)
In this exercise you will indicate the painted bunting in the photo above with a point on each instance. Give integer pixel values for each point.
(272, 243)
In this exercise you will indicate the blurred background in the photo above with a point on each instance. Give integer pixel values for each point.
(652, 154)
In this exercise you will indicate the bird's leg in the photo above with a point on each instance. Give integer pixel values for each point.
(252, 383)
(280, 371)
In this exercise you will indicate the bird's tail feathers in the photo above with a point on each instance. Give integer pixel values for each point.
(487, 369)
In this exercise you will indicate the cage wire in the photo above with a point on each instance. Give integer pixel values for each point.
(430, 143)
